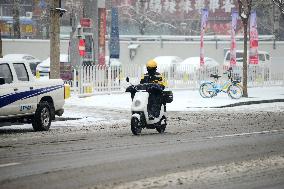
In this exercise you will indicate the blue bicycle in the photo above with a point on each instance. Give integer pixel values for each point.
(232, 87)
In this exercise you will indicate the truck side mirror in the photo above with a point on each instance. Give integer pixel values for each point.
(127, 79)
(2, 81)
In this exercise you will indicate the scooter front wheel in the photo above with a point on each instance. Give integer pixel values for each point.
(135, 126)
(162, 127)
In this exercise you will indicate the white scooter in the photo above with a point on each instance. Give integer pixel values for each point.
(140, 118)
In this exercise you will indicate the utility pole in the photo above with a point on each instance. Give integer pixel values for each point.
(54, 40)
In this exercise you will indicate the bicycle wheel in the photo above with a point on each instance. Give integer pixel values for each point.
(206, 90)
(235, 91)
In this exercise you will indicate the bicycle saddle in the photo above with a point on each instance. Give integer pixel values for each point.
(216, 76)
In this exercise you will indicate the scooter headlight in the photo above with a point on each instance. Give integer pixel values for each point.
(137, 103)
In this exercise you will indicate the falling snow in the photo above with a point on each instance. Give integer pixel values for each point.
(228, 5)
(214, 4)
(199, 4)
(155, 5)
(169, 5)
(187, 6)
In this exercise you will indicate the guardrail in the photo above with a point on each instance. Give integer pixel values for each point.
(103, 79)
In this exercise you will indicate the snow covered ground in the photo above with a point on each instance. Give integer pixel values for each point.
(184, 100)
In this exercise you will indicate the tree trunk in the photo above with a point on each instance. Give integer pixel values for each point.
(245, 65)
(54, 41)
(16, 19)
(142, 27)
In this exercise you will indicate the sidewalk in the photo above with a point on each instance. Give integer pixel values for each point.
(256, 95)
(184, 100)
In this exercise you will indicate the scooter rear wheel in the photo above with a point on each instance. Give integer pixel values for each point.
(135, 126)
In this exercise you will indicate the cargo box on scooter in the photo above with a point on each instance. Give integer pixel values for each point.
(167, 96)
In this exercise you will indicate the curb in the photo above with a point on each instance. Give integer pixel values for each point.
(250, 103)
(244, 103)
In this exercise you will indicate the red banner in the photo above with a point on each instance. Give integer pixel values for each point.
(233, 60)
(204, 18)
(253, 53)
(102, 32)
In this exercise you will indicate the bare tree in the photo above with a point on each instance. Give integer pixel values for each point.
(245, 12)
(280, 4)
(278, 20)
(16, 19)
(142, 17)
(269, 18)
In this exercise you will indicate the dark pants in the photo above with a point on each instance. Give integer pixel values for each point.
(154, 104)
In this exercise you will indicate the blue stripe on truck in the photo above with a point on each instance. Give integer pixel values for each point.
(13, 97)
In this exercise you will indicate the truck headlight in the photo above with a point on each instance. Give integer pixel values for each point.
(137, 103)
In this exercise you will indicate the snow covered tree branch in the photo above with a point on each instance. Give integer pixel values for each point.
(280, 4)
(143, 18)
(245, 8)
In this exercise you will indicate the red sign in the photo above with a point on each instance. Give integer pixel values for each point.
(85, 22)
(81, 47)
(233, 58)
(204, 19)
(253, 53)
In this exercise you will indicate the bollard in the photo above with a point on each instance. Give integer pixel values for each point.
(67, 91)
(37, 74)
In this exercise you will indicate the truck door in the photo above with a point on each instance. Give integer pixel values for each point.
(25, 89)
(7, 104)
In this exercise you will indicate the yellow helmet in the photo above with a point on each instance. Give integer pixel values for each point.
(151, 64)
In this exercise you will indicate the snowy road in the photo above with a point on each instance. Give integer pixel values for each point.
(211, 148)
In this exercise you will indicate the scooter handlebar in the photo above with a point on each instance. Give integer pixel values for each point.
(149, 87)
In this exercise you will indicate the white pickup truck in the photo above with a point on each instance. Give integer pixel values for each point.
(25, 99)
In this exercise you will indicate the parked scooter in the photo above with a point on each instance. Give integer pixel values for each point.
(140, 117)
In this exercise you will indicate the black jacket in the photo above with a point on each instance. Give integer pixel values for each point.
(156, 78)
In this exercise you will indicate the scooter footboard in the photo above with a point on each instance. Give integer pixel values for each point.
(137, 115)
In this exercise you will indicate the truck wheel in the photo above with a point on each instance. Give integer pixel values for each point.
(42, 117)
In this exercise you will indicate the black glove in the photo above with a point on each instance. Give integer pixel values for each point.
(154, 88)
(130, 89)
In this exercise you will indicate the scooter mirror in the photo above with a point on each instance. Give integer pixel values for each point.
(127, 79)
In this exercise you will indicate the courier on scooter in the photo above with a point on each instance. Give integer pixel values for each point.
(149, 101)
(155, 94)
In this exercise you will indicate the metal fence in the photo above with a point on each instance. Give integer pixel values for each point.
(102, 79)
